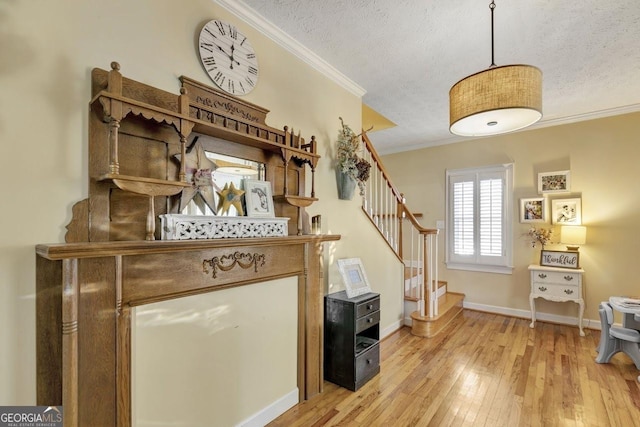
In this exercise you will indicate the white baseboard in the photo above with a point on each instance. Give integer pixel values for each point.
(391, 329)
(526, 314)
(273, 411)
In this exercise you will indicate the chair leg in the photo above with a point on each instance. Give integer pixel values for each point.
(632, 350)
(607, 348)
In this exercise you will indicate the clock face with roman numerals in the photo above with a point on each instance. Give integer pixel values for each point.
(228, 57)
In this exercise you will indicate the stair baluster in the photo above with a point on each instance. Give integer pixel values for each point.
(413, 244)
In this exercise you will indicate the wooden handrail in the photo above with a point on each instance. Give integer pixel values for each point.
(398, 195)
(374, 154)
(385, 206)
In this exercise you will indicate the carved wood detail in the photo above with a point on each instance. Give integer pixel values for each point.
(121, 107)
(243, 260)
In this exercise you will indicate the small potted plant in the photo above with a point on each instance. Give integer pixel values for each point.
(540, 235)
(351, 169)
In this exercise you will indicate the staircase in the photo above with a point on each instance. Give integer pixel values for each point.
(430, 305)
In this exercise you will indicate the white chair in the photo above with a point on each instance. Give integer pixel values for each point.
(615, 339)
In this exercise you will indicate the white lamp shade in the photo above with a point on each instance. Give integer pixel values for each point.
(573, 234)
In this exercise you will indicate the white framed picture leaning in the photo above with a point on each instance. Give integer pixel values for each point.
(355, 279)
(258, 198)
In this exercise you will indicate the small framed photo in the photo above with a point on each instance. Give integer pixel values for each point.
(355, 280)
(560, 259)
(258, 198)
(566, 211)
(554, 182)
(533, 210)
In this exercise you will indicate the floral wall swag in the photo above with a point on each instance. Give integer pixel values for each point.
(349, 162)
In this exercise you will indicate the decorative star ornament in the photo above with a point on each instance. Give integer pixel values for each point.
(230, 196)
(198, 172)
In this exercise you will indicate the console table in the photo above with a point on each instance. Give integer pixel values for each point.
(556, 284)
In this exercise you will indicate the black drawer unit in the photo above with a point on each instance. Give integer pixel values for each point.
(351, 339)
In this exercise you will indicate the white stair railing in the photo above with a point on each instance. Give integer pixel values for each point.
(414, 245)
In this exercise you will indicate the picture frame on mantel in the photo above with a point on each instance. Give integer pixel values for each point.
(554, 182)
(566, 211)
(258, 198)
(561, 259)
(354, 277)
(533, 210)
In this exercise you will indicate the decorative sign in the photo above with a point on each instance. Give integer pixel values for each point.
(560, 259)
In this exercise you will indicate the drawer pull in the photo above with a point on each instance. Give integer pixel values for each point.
(542, 276)
(568, 278)
(542, 288)
(369, 306)
(568, 291)
(370, 320)
(369, 361)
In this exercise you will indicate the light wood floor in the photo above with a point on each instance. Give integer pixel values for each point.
(484, 370)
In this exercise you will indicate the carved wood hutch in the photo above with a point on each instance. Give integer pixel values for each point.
(113, 259)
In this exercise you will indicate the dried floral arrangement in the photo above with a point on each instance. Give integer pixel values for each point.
(540, 235)
(349, 162)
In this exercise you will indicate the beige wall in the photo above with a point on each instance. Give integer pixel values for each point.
(47, 49)
(602, 156)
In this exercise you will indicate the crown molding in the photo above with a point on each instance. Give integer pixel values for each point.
(251, 17)
(600, 114)
(616, 111)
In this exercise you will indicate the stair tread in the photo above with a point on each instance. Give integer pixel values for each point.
(447, 302)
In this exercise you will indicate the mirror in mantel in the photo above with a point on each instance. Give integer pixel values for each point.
(227, 170)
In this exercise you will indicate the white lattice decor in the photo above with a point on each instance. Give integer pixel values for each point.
(191, 227)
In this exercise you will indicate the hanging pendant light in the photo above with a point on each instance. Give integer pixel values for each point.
(497, 100)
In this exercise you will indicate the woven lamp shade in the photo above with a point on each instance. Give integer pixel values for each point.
(496, 100)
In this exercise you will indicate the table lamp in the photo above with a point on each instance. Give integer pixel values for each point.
(572, 236)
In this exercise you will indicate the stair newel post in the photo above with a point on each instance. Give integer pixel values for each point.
(426, 288)
(400, 216)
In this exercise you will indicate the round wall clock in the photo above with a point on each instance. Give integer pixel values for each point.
(228, 57)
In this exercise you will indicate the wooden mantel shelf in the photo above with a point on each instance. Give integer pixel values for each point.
(85, 293)
(60, 251)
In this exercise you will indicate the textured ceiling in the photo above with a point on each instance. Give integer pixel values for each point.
(406, 54)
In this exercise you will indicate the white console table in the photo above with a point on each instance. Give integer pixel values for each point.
(556, 284)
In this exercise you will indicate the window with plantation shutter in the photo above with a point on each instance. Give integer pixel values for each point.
(479, 219)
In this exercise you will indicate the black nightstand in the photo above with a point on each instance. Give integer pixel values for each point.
(351, 339)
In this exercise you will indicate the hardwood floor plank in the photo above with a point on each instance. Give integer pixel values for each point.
(484, 370)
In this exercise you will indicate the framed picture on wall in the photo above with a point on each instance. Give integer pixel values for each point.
(533, 210)
(355, 280)
(258, 198)
(566, 211)
(554, 182)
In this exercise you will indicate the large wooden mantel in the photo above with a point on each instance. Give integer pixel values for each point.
(86, 288)
(85, 292)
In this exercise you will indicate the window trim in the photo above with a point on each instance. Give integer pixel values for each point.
(505, 266)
